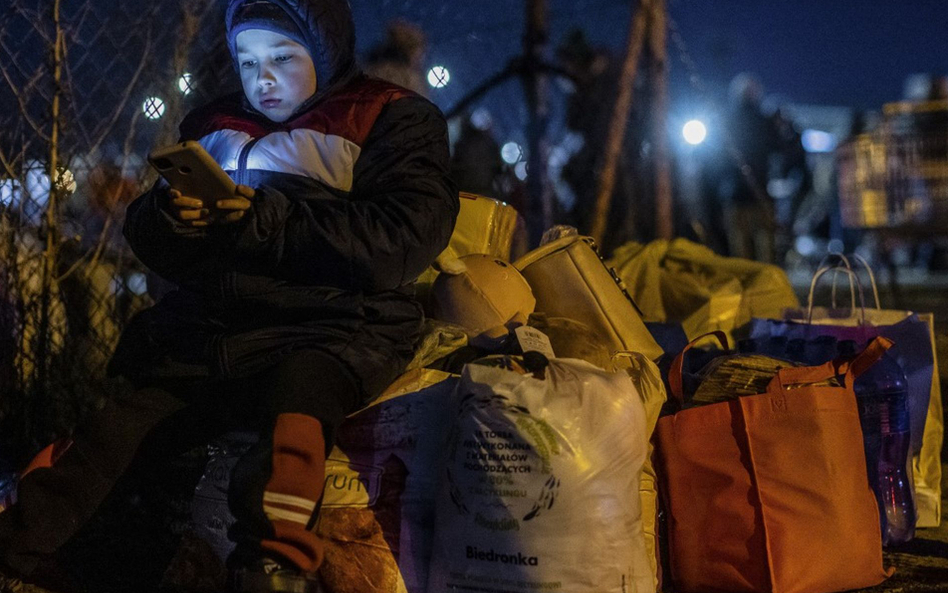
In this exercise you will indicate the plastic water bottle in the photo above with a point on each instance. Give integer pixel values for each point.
(796, 350)
(820, 350)
(775, 346)
(846, 348)
(882, 397)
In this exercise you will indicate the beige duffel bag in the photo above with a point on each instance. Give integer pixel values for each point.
(569, 279)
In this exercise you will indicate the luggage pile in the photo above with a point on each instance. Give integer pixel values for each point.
(563, 429)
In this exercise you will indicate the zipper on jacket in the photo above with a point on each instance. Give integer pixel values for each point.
(228, 280)
(242, 161)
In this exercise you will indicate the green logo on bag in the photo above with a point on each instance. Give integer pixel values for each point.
(500, 470)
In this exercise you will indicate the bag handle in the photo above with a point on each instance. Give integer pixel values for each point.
(865, 265)
(789, 376)
(675, 379)
(533, 256)
(868, 357)
(826, 263)
(845, 261)
(872, 278)
(852, 289)
(852, 277)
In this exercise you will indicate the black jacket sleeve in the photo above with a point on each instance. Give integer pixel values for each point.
(397, 218)
(175, 251)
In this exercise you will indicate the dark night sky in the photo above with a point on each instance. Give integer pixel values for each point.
(832, 52)
(854, 53)
(819, 51)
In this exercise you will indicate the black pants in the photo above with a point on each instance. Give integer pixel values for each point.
(155, 422)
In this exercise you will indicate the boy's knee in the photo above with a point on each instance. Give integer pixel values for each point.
(312, 383)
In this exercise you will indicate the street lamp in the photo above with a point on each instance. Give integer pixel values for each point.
(511, 153)
(186, 83)
(153, 107)
(694, 132)
(439, 77)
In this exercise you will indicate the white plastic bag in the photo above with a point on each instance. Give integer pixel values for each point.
(541, 484)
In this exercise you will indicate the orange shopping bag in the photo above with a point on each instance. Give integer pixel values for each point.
(769, 493)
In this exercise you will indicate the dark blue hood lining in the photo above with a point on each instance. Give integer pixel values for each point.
(330, 31)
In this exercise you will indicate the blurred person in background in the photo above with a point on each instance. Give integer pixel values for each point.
(110, 190)
(737, 176)
(790, 182)
(400, 58)
(476, 164)
(850, 238)
(589, 109)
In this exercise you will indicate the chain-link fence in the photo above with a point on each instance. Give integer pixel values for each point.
(87, 89)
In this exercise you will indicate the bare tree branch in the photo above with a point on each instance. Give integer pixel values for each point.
(22, 104)
(7, 165)
(126, 95)
(94, 254)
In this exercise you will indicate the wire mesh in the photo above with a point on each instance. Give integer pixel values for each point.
(89, 87)
(80, 87)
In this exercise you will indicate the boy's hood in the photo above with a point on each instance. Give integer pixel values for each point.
(330, 31)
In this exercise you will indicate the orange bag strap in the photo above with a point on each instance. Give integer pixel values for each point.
(48, 456)
(852, 369)
(677, 367)
(868, 357)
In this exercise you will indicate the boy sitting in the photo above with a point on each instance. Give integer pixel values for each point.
(294, 305)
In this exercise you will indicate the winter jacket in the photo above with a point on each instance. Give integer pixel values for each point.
(353, 201)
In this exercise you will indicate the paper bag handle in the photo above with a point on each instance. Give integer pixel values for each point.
(675, 380)
(872, 277)
(836, 268)
(865, 265)
(852, 276)
(851, 273)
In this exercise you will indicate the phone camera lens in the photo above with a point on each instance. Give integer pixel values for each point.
(163, 164)
(185, 170)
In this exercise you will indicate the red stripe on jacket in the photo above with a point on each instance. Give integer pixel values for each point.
(349, 113)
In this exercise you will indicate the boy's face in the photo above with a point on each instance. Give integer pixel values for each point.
(277, 73)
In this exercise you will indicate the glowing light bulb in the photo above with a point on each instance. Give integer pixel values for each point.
(153, 107)
(186, 83)
(511, 153)
(439, 77)
(694, 132)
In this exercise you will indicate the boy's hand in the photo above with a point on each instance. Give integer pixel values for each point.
(190, 211)
(233, 209)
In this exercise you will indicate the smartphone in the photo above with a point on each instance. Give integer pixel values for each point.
(188, 168)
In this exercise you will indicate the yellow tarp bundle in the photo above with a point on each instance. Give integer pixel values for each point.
(687, 283)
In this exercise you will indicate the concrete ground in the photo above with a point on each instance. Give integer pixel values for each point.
(922, 564)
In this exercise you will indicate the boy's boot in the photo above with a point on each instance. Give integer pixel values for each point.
(287, 557)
